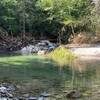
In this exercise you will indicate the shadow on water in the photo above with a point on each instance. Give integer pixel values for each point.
(37, 74)
(34, 74)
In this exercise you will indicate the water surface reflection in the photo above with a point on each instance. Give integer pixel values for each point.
(34, 76)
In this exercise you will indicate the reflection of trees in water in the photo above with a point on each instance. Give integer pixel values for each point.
(82, 75)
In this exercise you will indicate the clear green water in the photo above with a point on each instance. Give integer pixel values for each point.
(36, 74)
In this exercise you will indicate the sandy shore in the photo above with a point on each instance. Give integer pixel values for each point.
(89, 57)
(92, 53)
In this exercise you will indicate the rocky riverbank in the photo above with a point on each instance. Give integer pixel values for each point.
(9, 92)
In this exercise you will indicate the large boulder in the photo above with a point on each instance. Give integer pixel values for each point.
(40, 48)
(27, 50)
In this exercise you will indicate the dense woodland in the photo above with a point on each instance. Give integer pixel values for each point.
(57, 20)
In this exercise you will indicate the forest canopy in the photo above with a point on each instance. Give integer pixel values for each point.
(48, 17)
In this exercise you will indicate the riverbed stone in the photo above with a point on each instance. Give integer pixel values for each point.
(8, 86)
(9, 95)
(32, 98)
(74, 94)
(3, 89)
(22, 98)
(45, 94)
(41, 98)
(26, 95)
(4, 99)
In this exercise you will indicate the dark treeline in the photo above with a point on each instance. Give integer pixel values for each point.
(50, 18)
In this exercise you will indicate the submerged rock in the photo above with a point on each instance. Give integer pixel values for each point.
(15, 99)
(74, 94)
(21, 98)
(26, 95)
(41, 98)
(45, 94)
(32, 98)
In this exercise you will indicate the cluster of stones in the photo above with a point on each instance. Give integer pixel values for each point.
(7, 93)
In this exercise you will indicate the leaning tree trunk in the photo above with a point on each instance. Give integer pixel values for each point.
(73, 32)
(23, 21)
(59, 38)
(60, 34)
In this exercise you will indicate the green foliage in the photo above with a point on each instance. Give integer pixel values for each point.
(62, 56)
(46, 16)
(45, 4)
(73, 15)
(69, 11)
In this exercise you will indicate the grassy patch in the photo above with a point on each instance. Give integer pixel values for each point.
(62, 56)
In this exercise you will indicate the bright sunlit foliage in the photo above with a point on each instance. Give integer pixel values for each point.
(62, 56)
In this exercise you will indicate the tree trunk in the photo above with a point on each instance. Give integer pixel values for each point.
(72, 30)
(59, 38)
(23, 30)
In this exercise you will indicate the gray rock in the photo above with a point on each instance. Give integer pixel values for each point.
(26, 95)
(41, 98)
(4, 99)
(27, 50)
(9, 87)
(45, 94)
(15, 99)
(6, 95)
(42, 45)
(32, 98)
(9, 95)
(4, 92)
(3, 89)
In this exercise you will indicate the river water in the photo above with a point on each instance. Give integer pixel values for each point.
(83, 75)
